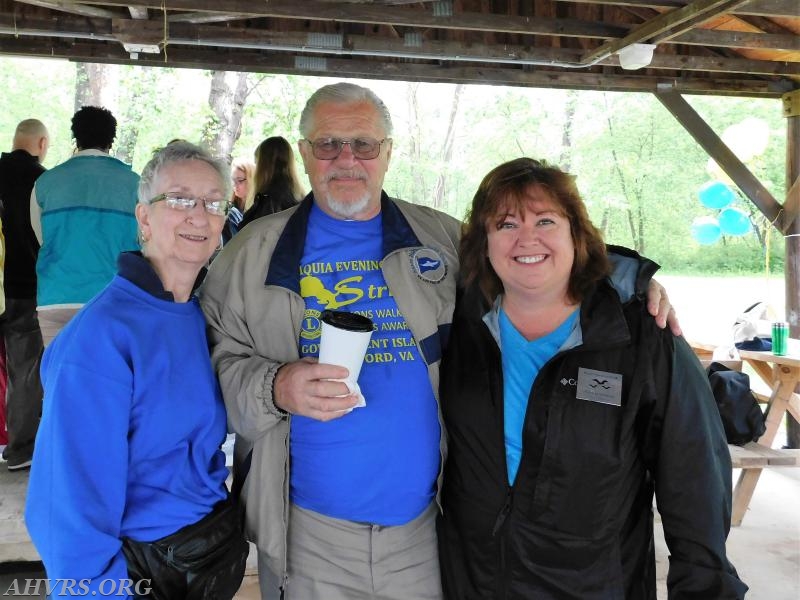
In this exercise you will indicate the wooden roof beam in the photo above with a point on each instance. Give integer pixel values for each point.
(739, 39)
(761, 8)
(703, 37)
(211, 58)
(151, 33)
(665, 25)
(74, 8)
(323, 10)
(204, 17)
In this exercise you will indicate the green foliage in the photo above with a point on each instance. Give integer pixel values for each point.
(273, 109)
(730, 256)
(163, 105)
(38, 89)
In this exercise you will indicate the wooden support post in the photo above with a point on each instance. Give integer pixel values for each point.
(791, 229)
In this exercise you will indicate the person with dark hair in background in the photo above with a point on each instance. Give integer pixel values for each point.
(566, 410)
(19, 170)
(128, 477)
(276, 184)
(82, 213)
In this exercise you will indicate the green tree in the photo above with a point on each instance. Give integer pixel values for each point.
(38, 89)
(137, 108)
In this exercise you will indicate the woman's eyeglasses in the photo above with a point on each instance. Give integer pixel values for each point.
(239, 180)
(213, 206)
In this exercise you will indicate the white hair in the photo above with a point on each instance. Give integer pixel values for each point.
(343, 93)
(176, 152)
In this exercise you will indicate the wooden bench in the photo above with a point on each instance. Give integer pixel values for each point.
(754, 455)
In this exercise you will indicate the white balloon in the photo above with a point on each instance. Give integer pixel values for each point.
(748, 138)
(758, 133)
(736, 138)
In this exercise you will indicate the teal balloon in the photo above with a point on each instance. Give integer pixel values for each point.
(706, 230)
(716, 194)
(734, 221)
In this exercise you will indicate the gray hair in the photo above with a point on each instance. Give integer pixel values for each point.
(176, 152)
(343, 93)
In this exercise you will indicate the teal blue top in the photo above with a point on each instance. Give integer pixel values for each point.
(522, 361)
(87, 213)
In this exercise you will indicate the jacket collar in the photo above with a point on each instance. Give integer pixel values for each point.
(283, 268)
(134, 267)
(602, 320)
(22, 155)
(91, 152)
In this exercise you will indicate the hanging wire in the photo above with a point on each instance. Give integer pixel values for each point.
(768, 245)
(166, 28)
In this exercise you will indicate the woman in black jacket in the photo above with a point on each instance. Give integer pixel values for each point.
(566, 411)
(277, 186)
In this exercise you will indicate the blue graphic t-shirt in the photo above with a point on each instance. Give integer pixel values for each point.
(377, 464)
(522, 361)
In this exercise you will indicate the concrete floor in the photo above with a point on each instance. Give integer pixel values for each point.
(765, 549)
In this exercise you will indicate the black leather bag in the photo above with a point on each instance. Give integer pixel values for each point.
(202, 561)
(741, 416)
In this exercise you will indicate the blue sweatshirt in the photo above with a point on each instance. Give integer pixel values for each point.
(132, 424)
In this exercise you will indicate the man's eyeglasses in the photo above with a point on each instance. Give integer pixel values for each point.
(331, 148)
(215, 207)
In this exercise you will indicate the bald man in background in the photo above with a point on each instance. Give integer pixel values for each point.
(19, 169)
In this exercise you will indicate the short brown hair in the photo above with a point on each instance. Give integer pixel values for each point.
(507, 185)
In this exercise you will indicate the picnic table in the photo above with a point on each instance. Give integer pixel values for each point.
(782, 375)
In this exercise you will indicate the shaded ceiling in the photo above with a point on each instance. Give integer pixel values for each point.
(721, 47)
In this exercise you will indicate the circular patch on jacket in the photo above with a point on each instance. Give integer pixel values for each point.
(428, 264)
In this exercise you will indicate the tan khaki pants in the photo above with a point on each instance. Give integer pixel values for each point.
(331, 559)
(52, 320)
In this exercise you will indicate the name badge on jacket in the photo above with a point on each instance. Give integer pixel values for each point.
(599, 386)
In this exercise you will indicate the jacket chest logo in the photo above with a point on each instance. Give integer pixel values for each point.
(428, 264)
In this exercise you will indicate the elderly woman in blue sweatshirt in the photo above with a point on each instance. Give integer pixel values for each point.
(133, 419)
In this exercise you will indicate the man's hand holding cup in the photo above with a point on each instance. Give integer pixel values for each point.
(327, 389)
(344, 341)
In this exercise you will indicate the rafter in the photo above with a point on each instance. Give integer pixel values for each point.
(151, 32)
(764, 8)
(513, 41)
(74, 8)
(663, 26)
(209, 58)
